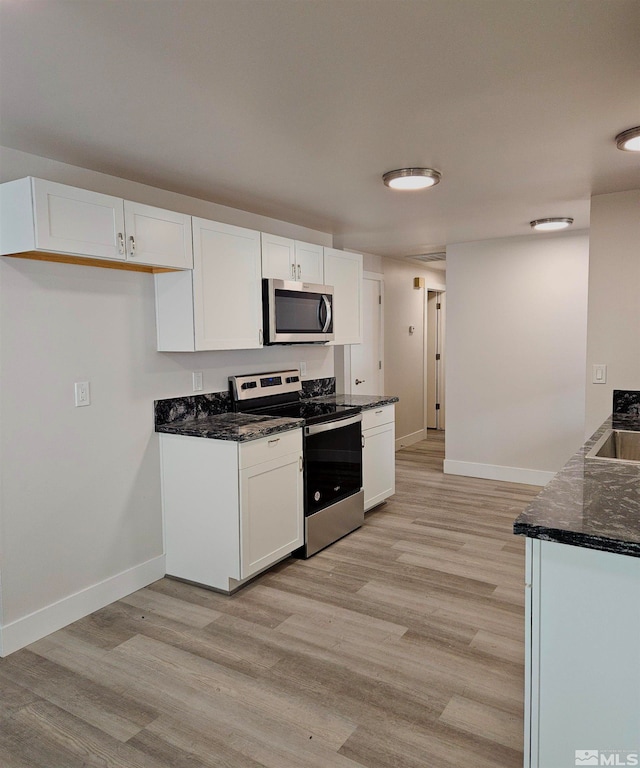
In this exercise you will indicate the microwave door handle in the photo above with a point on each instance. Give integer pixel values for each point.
(327, 306)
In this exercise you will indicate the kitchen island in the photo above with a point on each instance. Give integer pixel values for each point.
(582, 652)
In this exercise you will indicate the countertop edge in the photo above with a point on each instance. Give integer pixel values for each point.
(548, 532)
(262, 430)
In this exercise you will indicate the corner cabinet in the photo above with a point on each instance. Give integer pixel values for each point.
(230, 509)
(378, 455)
(51, 221)
(287, 259)
(343, 270)
(219, 304)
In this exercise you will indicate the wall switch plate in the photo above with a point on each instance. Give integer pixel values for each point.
(303, 368)
(197, 381)
(599, 375)
(82, 393)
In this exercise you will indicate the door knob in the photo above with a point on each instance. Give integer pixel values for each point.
(359, 381)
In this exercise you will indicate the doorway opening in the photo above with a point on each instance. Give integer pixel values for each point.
(434, 317)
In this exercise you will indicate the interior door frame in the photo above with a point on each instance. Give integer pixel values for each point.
(441, 289)
(342, 357)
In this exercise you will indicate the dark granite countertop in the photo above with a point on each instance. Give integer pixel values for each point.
(209, 415)
(239, 427)
(364, 402)
(590, 503)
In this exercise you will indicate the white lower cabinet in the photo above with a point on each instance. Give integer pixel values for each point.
(582, 657)
(230, 509)
(378, 455)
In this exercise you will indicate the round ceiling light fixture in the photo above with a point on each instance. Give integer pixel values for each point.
(629, 140)
(551, 225)
(411, 178)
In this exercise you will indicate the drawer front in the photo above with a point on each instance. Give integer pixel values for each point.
(268, 448)
(376, 416)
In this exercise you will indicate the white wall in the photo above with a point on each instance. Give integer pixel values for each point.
(613, 331)
(81, 516)
(404, 306)
(516, 350)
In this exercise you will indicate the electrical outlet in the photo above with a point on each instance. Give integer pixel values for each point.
(197, 381)
(82, 393)
(303, 368)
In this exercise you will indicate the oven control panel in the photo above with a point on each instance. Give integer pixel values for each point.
(263, 384)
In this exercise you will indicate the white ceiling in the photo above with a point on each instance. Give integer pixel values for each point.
(294, 108)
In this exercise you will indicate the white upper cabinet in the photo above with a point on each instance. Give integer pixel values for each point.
(288, 259)
(309, 262)
(158, 237)
(343, 270)
(219, 304)
(50, 218)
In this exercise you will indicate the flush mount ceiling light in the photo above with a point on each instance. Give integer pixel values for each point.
(550, 225)
(629, 140)
(411, 178)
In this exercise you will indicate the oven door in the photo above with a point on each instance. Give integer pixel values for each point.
(333, 462)
(297, 313)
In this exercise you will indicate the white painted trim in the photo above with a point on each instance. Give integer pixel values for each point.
(498, 472)
(42, 622)
(407, 440)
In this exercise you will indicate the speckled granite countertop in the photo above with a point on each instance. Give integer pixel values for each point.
(364, 402)
(239, 427)
(590, 503)
(210, 415)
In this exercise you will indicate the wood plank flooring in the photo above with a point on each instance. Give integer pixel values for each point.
(400, 646)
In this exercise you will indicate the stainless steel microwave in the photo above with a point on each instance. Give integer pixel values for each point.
(297, 313)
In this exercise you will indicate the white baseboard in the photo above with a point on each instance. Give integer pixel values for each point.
(407, 440)
(498, 472)
(42, 622)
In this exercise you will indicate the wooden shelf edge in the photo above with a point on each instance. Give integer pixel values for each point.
(89, 262)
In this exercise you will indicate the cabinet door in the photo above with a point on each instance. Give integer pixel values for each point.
(157, 237)
(343, 271)
(227, 290)
(278, 257)
(378, 464)
(309, 262)
(70, 220)
(271, 512)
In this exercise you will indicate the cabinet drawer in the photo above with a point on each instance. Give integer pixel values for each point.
(376, 416)
(268, 448)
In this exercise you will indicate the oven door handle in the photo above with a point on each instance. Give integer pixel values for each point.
(315, 429)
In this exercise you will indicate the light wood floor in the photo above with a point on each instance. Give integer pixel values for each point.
(399, 646)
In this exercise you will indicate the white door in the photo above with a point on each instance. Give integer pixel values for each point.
(343, 270)
(435, 360)
(367, 375)
(227, 286)
(278, 257)
(309, 263)
(71, 220)
(157, 237)
(271, 512)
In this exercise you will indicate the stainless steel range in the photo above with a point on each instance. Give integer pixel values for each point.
(332, 445)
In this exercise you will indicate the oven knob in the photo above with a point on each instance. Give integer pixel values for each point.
(316, 496)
